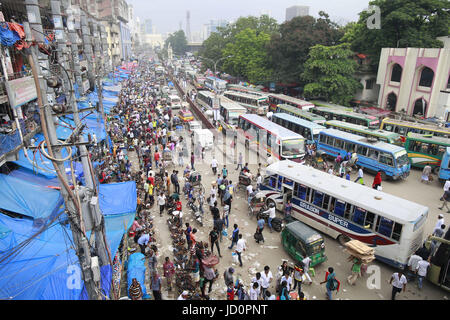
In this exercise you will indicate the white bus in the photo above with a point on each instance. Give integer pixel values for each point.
(215, 84)
(262, 134)
(254, 102)
(229, 114)
(205, 98)
(343, 209)
(175, 101)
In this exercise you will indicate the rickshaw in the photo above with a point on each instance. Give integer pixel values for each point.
(195, 179)
(256, 204)
(167, 158)
(244, 181)
(300, 241)
(319, 160)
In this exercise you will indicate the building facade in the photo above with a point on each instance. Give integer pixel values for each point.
(415, 81)
(296, 11)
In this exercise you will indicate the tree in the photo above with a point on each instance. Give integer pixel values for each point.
(404, 23)
(177, 41)
(248, 56)
(288, 50)
(214, 46)
(329, 74)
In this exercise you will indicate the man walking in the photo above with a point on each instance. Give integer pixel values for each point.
(155, 285)
(422, 269)
(266, 279)
(398, 281)
(214, 166)
(161, 203)
(214, 240)
(240, 161)
(235, 236)
(240, 247)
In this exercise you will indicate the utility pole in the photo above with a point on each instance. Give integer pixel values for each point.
(40, 67)
(94, 218)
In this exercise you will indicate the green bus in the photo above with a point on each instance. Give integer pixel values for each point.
(294, 111)
(426, 149)
(341, 113)
(381, 135)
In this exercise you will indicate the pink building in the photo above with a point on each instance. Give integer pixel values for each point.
(415, 80)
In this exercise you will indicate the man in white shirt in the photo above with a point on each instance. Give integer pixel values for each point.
(161, 203)
(258, 182)
(398, 281)
(422, 269)
(249, 190)
(254, 291)
(240, 246)
(439, 222)
(287, 277)
(306, 263)
(360, 174)
(214, 165)
(266, 279)
(272, 215)
(412, 266)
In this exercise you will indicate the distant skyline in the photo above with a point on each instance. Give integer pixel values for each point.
(167, 15)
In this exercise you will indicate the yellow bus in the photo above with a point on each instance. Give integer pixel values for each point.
(403, 127)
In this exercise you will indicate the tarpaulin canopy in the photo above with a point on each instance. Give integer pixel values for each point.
(27, 198)
(46, 267)
(136, 269)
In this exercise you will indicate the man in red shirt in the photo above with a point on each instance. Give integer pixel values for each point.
(156, 158)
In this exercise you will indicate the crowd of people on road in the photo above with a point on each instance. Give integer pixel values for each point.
(142, 124)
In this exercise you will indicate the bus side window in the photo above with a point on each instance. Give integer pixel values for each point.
(396, 234)
(403, 131)
(373, 154)
(441, 151)
(338, 143)
(384, 226)
(318, 198)
(339, 208)
(361, 150)
(330, 141)
(323, 138)
(386, 158)
(424, 148)
(359, 216)
(273, 181)
(370, 220)
(269, 141)
(301, 192)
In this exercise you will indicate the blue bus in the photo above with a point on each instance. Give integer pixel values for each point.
(444, 169)
(373, 155)
(215, 84)
(309, 130)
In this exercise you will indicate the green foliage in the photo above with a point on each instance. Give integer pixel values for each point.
(235, 35)
(404, 23)
(177, 41)
(288, 50)
(329, 74)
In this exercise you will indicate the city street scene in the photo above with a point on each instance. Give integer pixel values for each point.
(296, 150)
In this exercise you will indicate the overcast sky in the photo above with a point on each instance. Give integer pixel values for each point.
(166, 15)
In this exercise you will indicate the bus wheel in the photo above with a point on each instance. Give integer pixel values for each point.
(342, 238)
(436, 170)
(383, 176)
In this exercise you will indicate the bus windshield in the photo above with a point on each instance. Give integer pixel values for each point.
(233, 118)
(292, 147)
(402, 158)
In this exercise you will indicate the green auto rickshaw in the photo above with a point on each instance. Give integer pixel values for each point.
(300, 241)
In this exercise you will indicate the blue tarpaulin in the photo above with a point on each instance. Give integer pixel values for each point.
(27, 198)
(46, 267)
(136, 269)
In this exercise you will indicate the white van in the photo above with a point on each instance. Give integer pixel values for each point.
(193, 125)
(204, 137)
(175, 101)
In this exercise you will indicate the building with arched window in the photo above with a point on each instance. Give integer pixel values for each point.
(416, 80)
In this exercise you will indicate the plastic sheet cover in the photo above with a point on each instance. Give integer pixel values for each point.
(136, 269)
(27, 198)
(46, 267)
